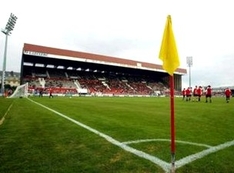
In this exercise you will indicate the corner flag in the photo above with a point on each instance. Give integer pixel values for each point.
(169, 55)
(168, 52)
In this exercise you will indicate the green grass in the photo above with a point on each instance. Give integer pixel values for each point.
(34, 139)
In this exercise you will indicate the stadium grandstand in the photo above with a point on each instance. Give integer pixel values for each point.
(80, 73)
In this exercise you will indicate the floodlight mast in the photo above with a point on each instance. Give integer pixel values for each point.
(7, 31)
(189, 63)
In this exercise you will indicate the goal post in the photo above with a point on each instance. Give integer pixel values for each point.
(20, 91)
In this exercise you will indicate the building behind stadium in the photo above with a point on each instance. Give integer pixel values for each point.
(65, 71)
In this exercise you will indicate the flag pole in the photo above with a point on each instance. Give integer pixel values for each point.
(169, 55)
(172, 124)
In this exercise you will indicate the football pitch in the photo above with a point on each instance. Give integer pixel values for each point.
(115, 134)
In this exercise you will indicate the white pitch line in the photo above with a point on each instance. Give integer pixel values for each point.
(193, 157)
(201, 154)
(167, 140)
(4, 116)
(164, 165)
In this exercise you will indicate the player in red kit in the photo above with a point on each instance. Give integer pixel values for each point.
(228, 94)
(188, 94)
(195, 96)
(184, 93)
(199, 93)
(208, 93)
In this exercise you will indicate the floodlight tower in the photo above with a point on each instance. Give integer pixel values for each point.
(190, 64)
(7, 31)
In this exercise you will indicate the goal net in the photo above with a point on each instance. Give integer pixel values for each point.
(20, 91)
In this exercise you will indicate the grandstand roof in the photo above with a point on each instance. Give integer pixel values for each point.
(35, 51)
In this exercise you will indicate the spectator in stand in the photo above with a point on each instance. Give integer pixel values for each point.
(199, 93)
(184, 93)
(188, 94)
(208, 94)
(228, 94)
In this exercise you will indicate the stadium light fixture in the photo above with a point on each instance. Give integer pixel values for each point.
(7, 31)
(190, 64)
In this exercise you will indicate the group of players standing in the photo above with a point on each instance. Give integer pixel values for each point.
(196, 93)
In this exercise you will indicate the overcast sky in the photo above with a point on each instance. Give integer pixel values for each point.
(129, 29)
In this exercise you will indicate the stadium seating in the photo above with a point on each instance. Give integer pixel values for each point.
(61, 82)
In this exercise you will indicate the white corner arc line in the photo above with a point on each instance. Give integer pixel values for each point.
(193, 157)
(167, 140)
(164, 165)
(201, 154)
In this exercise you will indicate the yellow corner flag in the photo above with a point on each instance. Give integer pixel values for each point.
(168, 52)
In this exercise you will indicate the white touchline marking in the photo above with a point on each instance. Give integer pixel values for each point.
(4, 116)
(164, 165)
